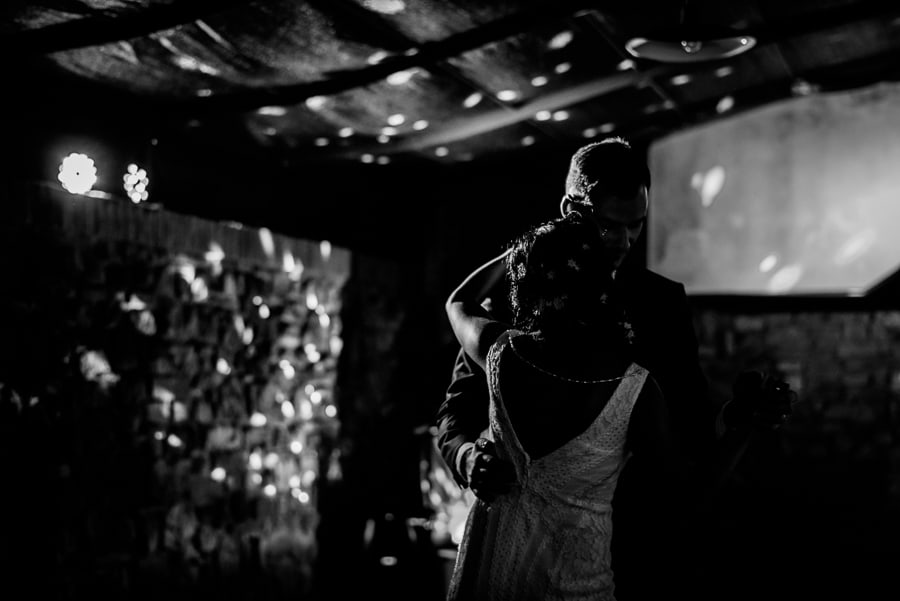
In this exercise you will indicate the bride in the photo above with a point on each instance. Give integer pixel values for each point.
(568, 407)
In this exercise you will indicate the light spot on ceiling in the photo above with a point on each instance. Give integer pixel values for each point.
(561, 40)
(385, 7)
(473, 100)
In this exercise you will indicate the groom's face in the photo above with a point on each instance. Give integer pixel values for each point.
(619, 219)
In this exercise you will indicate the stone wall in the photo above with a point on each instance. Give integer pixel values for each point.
(813, 508)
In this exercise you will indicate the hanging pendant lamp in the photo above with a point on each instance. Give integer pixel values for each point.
(691, 44)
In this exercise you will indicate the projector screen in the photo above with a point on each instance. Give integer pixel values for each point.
(800, 197)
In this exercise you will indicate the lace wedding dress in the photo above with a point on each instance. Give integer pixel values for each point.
(549, 538)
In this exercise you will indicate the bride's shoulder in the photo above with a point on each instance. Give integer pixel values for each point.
(512, 336)
(502, 343)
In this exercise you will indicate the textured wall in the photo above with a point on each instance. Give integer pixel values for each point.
(140, 349)
(813, 509)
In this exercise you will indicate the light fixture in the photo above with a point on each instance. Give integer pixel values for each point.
(135, 182)
(689, 48)
(77, 173)
(691, 44)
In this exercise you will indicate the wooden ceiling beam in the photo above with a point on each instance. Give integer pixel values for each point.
(428, 55)
(467, 127)
(431, 53)
(105, 28)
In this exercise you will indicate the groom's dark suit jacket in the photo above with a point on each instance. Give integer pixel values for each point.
(665, 344)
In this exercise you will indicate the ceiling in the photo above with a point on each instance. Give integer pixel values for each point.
(399, 81)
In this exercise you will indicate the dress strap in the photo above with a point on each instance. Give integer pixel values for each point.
(501, 427)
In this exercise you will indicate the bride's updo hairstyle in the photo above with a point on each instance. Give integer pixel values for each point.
(559, 277)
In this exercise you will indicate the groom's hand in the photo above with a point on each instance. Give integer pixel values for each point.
(487, 474)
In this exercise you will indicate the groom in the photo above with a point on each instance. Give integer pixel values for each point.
(609, 182)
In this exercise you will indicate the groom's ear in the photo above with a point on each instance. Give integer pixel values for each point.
(566, 205)
(570, 205)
